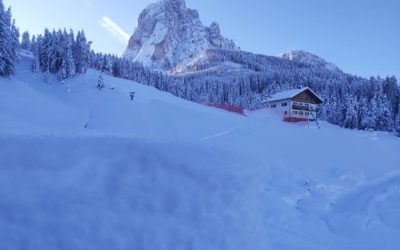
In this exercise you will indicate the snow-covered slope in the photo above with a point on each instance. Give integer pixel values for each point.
(309, 58)
(169, 34)
(163, 173)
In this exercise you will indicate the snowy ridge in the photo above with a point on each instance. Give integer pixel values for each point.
(309, 58)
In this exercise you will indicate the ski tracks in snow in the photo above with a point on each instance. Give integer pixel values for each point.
(374, 202)
(218, 135)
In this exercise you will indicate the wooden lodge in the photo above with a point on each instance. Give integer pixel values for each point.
(296, 105)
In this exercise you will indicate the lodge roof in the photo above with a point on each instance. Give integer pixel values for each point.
(289, 94)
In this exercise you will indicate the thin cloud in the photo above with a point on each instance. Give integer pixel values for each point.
(114, 29)
(88, 3)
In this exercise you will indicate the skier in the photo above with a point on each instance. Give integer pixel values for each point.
(132, 94)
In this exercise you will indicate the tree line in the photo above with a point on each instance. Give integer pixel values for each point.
(58, 52)
(9, 42)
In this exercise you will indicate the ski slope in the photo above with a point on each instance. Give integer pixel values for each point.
(87, 169)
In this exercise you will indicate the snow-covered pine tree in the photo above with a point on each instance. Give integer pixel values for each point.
(69, 55)
(67, 68)
(362, 110)
(383, 120)
(4, 41)
(391, 90)
(397, 121)
(333, 110)
(99, 61)
(14, 39)
(100, 82)
(62, 73)
(382, 111)
(25, 41)
(62, 49)
(368, 121)
(45, 52)
(35, 49)
(81, 52)
(56, 52)
(350, 113)
(33, 43)
(9, 41)
(117, 68)
(378, 115)
(106, 63)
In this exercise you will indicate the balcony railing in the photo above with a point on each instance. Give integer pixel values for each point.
(305, 108)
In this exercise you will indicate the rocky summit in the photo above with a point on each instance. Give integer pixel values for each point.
(170, 34)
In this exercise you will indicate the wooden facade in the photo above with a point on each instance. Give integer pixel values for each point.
(307, 97)
(296, 105)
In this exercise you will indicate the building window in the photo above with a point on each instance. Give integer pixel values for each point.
(307, 113)
(295, 112)
(301, 113)
(285, 113)
(273, 106)
(284, 104)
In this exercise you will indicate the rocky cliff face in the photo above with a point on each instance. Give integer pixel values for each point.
(170, 34)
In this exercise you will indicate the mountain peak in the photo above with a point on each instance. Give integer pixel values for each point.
(309, 58)
(169, 34)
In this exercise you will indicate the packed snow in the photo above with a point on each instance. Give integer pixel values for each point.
(87, 169)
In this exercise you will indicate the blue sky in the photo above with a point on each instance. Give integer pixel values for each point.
(360, 36)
